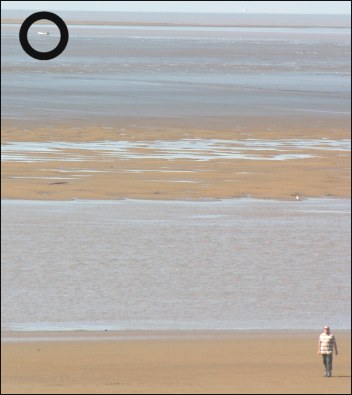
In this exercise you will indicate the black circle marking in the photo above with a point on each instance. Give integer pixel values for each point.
(43, 55)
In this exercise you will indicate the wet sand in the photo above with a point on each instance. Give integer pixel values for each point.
(178, 362)
(322, 173)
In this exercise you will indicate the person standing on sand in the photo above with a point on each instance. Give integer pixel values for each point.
(326, 345)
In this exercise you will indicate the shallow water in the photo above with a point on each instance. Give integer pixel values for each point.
(233, 264)
(196, 149)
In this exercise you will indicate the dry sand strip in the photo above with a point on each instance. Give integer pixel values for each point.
(322, 173)
(200, 363)
(180, 179)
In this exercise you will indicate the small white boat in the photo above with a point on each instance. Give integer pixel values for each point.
(44, 33)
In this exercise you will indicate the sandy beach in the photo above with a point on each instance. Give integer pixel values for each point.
(165, 363)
